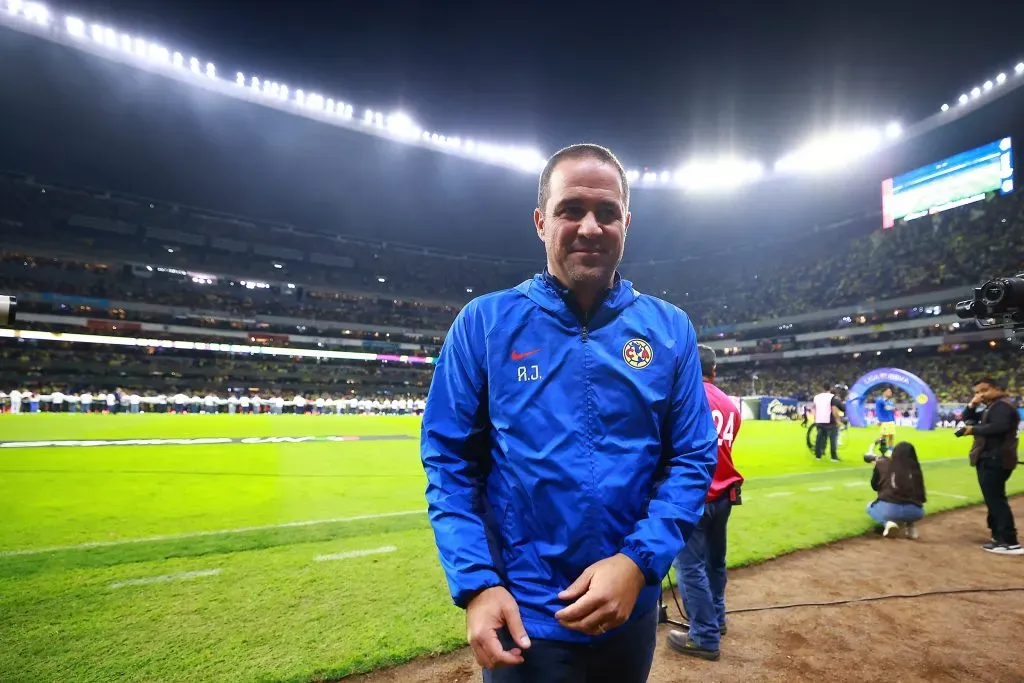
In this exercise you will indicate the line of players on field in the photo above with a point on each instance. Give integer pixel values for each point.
(125, 401)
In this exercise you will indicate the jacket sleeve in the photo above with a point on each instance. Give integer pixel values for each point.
(1000, 421)
(456, 459)
(690, 454)
(876, 477)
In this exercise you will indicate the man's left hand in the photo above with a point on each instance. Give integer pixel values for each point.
(604, 596)
(968, 430)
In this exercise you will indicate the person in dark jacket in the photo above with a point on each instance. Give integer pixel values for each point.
(568, 446)
(901, 496)
(993, 420)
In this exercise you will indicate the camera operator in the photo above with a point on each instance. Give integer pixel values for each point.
(992, 419)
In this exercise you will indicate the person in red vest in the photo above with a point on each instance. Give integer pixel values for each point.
(700, 567)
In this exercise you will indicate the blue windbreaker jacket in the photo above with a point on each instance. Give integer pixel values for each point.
(552, 440)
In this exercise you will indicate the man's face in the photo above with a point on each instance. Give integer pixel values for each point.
(584, 224)
(887, 393)
(986, 393)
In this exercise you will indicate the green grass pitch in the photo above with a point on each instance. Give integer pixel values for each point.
(207, 562)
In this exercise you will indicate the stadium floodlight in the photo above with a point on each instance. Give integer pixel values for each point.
(382, 280)
(75, 27)
(126, 42)
(368, 116)
(830, 151)
(159, 53)
(178, 60)
(718, 175)
(963, 99)
(893, 130)
(1019, 68)
(300, 98)
(284, 92)
(632, 175)
(240, 79)
(1000, 79)
(650, 177)
(211, 70)
(193, 64)
(975, 92)
(988, 85)
(944, 107)
(402, 125)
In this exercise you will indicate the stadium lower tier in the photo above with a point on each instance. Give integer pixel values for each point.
(73, 368)
(950, 375)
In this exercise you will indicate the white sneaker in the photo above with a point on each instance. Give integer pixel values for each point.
(911, 531)
(889, 528)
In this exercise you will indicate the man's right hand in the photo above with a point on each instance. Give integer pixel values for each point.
(486, 614)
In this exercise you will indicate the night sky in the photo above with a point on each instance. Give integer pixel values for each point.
(657, 81)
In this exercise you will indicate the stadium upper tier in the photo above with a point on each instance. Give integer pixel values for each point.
(950, 375)
(112, 247)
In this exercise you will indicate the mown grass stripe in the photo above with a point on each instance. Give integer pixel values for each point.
(199, 534)
(355, 553)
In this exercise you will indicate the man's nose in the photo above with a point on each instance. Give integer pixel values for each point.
(589, 227)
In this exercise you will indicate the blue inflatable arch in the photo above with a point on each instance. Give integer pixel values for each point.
(919, 392)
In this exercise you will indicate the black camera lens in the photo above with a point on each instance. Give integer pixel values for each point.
(994, 292)
(966, 309)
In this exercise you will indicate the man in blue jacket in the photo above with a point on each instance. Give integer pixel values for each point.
(568, 447)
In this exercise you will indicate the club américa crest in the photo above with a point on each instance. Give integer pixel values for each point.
(637, 353)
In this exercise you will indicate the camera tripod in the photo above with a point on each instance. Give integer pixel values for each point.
(663, 608)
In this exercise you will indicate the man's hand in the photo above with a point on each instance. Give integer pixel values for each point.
(604, 596)
(968, 430)
(486, 613)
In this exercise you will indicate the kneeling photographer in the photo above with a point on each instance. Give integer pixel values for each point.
(901, 495)
(992, 420)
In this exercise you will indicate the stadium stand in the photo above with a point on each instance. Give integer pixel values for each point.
(101, 262)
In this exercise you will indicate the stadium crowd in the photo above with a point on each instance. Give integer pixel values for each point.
(78, 258)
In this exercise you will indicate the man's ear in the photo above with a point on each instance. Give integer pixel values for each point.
(625, 223)
(538, 222)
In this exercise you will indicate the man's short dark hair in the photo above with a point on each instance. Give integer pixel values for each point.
(994, 383)
(583, 150)
(708, 360)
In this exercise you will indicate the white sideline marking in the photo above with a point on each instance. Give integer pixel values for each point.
(820, 488)
(184, 576)
(778, 494)
(948, 495)
(355, 553)
(852, 483)
(198, 534)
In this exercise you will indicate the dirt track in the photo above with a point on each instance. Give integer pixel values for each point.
(972, 637)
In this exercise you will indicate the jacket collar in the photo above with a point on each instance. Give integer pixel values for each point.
(547, 292)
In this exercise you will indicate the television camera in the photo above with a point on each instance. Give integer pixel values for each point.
(8, 310)
(997, 303)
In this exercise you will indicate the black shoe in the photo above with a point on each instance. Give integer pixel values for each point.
(835, 459)
(1003, 548)
(680, 642)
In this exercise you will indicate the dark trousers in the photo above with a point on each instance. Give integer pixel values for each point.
(992, 478)
(828, 433)
(700, 571)
(624, 657)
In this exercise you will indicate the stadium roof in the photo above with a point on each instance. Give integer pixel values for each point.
(819, 153)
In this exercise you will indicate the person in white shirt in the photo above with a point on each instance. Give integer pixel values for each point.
(111, 403)
(257, 404)
(319, 405)
(180, 400)
(196, 402)
(828, 409)
(300, 404)
(161, 403)
(15, 401)
(87, 402)
(232, 404)
(245, 402)
(134, 401)
(57, 401)
(73, 402)
(211, 404)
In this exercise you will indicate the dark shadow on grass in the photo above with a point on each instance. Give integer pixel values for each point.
(20, 566)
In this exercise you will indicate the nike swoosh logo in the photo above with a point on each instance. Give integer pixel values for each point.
(520, 356)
